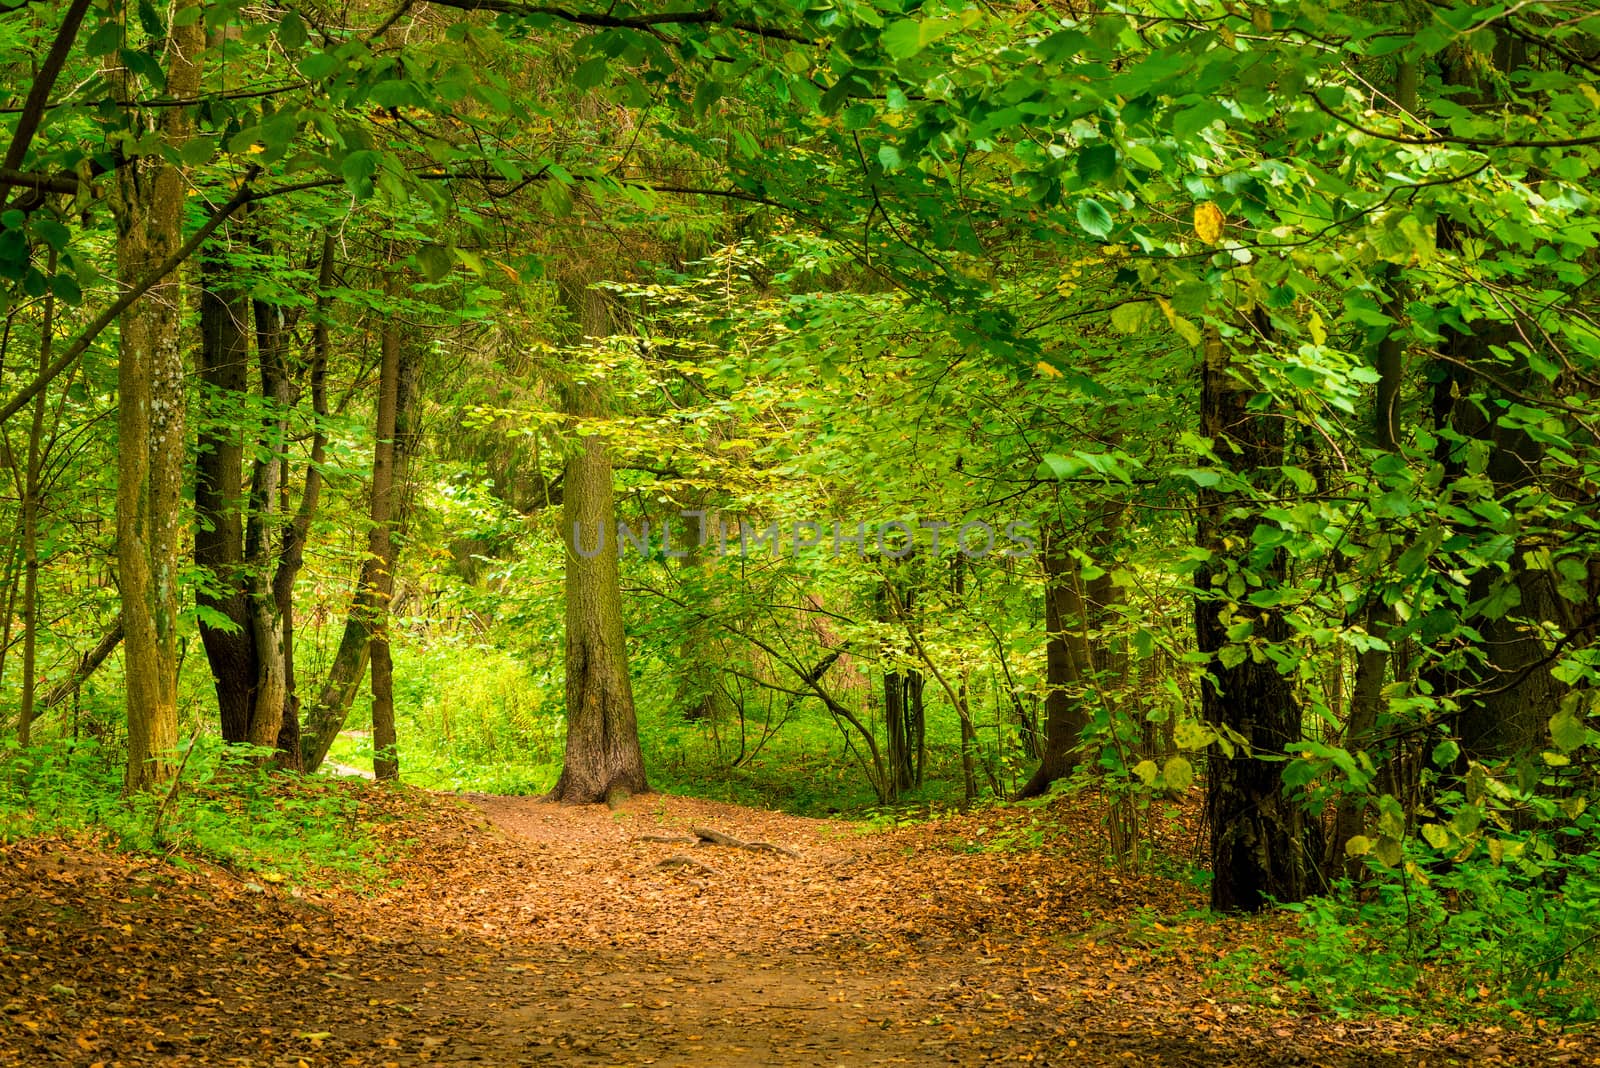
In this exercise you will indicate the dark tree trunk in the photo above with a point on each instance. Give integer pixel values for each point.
(1067, 665)
(219, 493)
(1507, 695)
(602, 751)
(1259, 848)
(234, 532)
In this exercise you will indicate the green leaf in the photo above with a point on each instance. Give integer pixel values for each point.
(1097, 163)
(1445, 753)
(1388, 851)
(1567, 730)
(1178, 773)
(1052, 466)
(889, 157)
(1131, 317)
(150, 20)
(907, 37)
(1094, 218)
(1358, 846)
(66, 288)
(435, 262)
(590, 73)
(292, 30)
(1147, 771)
(1435, 835)
(106, 39)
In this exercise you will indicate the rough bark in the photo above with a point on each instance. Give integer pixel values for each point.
(151, 406)
(602, 748)
(1258, 836)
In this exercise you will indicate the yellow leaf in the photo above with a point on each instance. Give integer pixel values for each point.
(1208, 222)
(1589, 91)
(1046, 370)
(272, 877)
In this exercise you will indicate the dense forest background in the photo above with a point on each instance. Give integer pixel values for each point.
(848, 406)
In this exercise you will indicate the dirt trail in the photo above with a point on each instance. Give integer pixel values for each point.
(526, 933)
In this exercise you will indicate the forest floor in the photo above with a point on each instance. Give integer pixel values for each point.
(514, 932)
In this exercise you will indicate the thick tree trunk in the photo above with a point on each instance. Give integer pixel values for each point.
(234, 534)
(1258, 836)
(151, 405)
(602, 750)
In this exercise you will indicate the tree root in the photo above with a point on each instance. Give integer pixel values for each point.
(681, 861)
(710, 837)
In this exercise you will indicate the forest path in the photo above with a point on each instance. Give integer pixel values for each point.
(523, 933)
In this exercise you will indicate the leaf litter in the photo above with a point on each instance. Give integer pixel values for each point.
(508, 931)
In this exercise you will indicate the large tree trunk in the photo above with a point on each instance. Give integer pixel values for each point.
(151, 405)
(602, 750)
(903, 722)
(1258, 836)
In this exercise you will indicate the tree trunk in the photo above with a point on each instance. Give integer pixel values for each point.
(271, 691)
(1258, 836)
(224, 371)
(602, 749)
(385, 760)
(30, 533)
(291, 553)
(396, 434)
(1067, 665)
(151, 405)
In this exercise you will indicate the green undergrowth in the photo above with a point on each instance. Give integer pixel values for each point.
(1480, 943)
(226, 809)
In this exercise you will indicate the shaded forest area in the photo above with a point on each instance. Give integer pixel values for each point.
(1151, 443)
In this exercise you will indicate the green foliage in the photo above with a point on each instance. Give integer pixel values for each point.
(1479, 937)
(226, 809)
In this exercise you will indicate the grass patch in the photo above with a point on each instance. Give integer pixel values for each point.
(226, 809)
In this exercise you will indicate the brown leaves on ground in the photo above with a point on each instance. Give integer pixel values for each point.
(519, 932)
